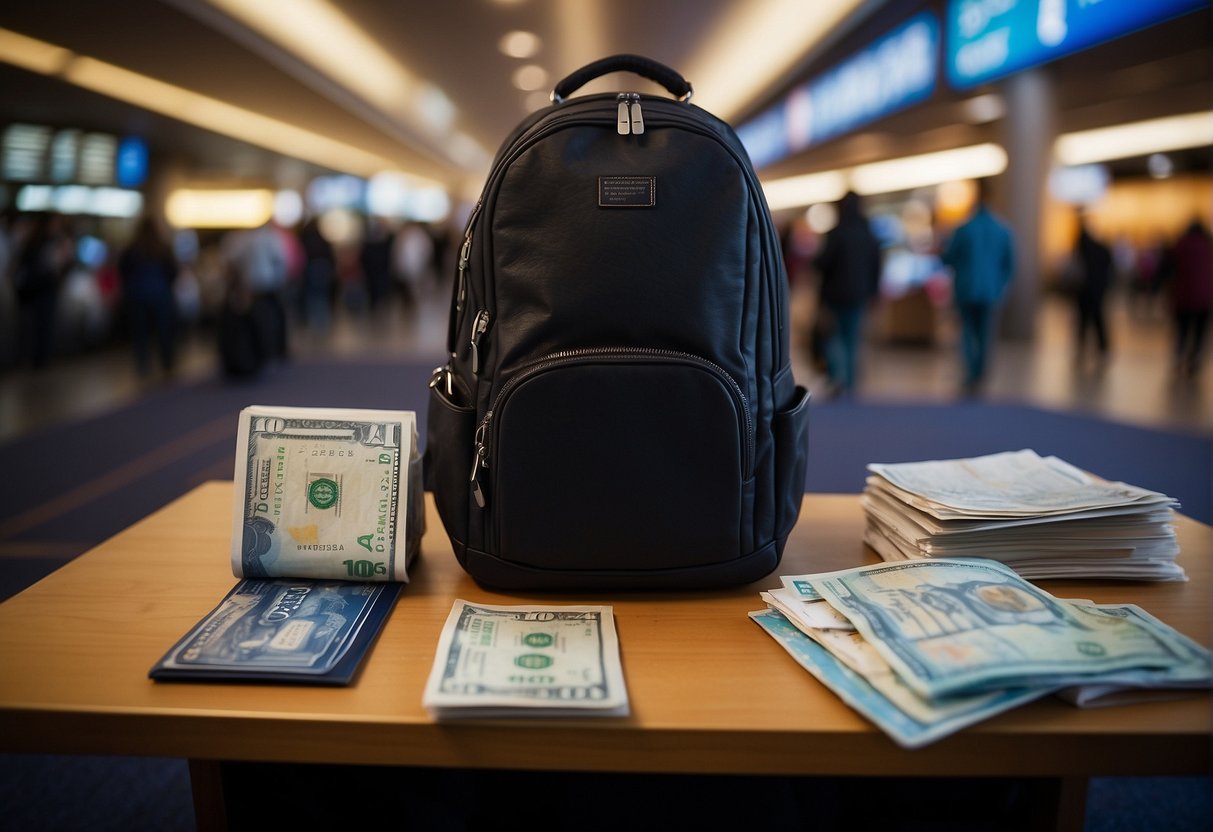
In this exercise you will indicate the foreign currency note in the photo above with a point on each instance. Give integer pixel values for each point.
(527, 661)
(800, 586)
(812, 613)
(327, 493)
(859, 694)
(950, 626)
(282, 629)
(1144, 684)
(851, 649)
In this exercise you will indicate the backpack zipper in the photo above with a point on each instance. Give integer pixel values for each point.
(480, 455)
(480, 325)
(629, 120)
(542, 128)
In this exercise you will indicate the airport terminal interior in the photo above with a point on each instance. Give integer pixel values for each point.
(358, 135)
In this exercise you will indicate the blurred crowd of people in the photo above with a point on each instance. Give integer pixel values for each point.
(69, 284)
(863, 260)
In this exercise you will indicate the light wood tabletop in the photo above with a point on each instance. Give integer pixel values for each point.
(710, 691)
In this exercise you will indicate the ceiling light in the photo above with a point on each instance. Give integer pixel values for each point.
(891, 176)
(326, 38)
(974, 162)
(807, 189)
(760, 39)
(34, 55)
(530, 77)
(212, 114)
(519, 44)
(189, 208)
(1135, 139)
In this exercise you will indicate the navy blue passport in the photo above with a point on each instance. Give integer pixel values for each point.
(282, 630)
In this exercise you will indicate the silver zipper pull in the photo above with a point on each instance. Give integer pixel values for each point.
(623, 118)
(480, 460)
(479, 326)
(464, 253)
(637, 115)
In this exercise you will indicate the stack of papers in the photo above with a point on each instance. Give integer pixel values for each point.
(924, 648)
(1039, 515)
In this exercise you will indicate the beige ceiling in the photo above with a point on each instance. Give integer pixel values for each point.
(452, 46)
(445, 45)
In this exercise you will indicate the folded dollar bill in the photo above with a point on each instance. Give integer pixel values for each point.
(495, 661)
(327, 493)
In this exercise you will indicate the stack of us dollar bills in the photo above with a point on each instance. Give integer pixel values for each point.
(526, 661)
(1041, 516)
(327, 493)
(924, 648)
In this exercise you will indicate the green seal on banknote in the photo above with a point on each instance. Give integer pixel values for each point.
(538, 639)
(322, 493)
(533, 661)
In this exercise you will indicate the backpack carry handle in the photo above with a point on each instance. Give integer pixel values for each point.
(674, 83)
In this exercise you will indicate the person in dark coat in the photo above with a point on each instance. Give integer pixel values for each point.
(849, 266)
(319, 275)
(41, 266)
(1187, 276)
(1093, 259)
(148, 271)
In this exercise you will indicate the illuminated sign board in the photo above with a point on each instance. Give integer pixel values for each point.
(37, 153)
(890, 75)
(989, 39)
(130, 168)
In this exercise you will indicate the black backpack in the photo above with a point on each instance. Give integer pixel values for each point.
(619, 408)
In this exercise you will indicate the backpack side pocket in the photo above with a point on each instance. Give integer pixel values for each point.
(448, 456)
(791, 457)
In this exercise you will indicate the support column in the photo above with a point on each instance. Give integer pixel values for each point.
(1019, 194)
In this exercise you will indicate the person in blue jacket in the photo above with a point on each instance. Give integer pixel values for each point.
(981, 256)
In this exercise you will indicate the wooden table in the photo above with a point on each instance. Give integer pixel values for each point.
(710, 692)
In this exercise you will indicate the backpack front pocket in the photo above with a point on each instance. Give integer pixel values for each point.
(606, 460)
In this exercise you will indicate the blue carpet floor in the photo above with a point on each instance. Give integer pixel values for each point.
(84, 481)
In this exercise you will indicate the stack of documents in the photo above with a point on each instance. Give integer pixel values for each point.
(1039, 515)
(924, 648)
(546, 661)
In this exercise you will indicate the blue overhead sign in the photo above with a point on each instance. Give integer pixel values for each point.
(130, 168)
(989, 39)
(893, 73)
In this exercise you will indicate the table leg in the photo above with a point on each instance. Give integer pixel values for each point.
(1072, 804)
(206, 783)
